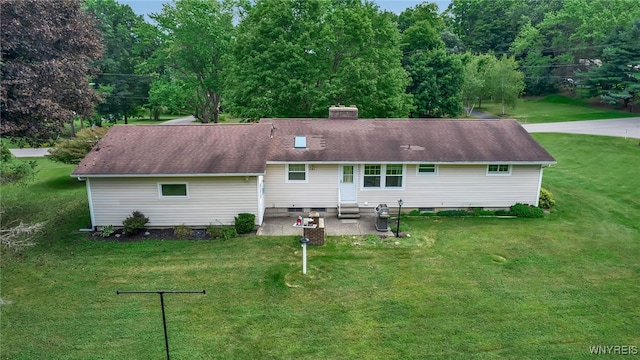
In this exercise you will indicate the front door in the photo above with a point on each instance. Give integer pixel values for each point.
(348, 176)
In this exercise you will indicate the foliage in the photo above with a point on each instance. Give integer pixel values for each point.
(618, 78)
(453, 213)
(436, 79)
(526, 211)
(296, 58)
(72, 151)
(13, 170)
(504, 82)
(182, 231)
(196, 38)
(213, 231)
(123, 52)
(472, 83)
(134, 223)
(43, 77)
(107, 231)
(245, 223)
(229, 232)
(546, 200)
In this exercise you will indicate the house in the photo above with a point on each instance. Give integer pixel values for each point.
(202, 174)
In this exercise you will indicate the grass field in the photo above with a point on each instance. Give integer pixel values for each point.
(554, 108)
(470, 288)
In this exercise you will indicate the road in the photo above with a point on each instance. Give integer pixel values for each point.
(627, 128)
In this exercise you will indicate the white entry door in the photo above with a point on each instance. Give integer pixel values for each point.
(348, 177)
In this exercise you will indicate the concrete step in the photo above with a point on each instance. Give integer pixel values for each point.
(349, 211)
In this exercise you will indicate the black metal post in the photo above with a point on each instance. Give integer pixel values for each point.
(400, 202)
(164, 319)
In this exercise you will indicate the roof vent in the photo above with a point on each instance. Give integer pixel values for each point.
(300, 142)
(341, 112)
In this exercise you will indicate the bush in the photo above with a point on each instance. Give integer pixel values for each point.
(229, 232)
(71, 151)
(546, 200)
(526, 211)
(245, 223)
(13, 170)
(107, 231)
(182, 231)
(213, 231)
(453, 213)
(134, 223)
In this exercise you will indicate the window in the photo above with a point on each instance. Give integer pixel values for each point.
(372, 175)
(393, 173)
(426, 169)
(174, 190)
(499, 169)
(394, 176)
(297, 172)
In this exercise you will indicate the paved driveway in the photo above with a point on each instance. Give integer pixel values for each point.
(629, 127)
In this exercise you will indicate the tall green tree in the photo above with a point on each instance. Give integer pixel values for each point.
(473, 83)
(436, 81)
(196, 37)
(47, 49)
(436, 75)
(618, 78)
(295, 58)
(504, 81)
(123, 52)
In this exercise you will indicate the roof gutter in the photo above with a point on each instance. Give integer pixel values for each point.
(83, 177)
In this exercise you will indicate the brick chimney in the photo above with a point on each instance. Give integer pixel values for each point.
(341, 112)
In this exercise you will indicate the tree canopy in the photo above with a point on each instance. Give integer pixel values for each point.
(295, 58)
(47, 49)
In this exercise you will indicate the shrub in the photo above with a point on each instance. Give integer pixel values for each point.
(229, 232)
(453, 213)
(107, 231)
(134, 223)
(526, 211)
(71, 151)
(245, 223)
(503, 213)
(213, 231)
(13, 170)
(546, 200)
(182, 231)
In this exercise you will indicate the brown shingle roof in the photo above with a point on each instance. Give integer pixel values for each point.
(246, 148)
(179, 149)
(401, 140)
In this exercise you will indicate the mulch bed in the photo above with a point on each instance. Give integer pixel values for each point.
(150, 234)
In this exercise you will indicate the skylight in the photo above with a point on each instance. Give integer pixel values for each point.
(300, 142)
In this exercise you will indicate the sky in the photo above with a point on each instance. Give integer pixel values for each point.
(145, 7)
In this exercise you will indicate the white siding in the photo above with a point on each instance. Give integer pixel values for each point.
(320, 190)
(211, 200)
(461, 186)
(454, 186)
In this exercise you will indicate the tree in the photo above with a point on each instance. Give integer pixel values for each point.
(618, 78)
(296, 58)
(436, 81)
(196, 37)
(47, 47)
(473, 83)
(504, 82)
(436, 75)
(127, 90)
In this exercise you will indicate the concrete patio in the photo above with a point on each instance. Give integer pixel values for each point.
(283, 226)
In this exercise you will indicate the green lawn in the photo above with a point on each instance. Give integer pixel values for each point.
(472, 288)
(554, 108)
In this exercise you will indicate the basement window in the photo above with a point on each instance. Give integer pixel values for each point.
(173, 191)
